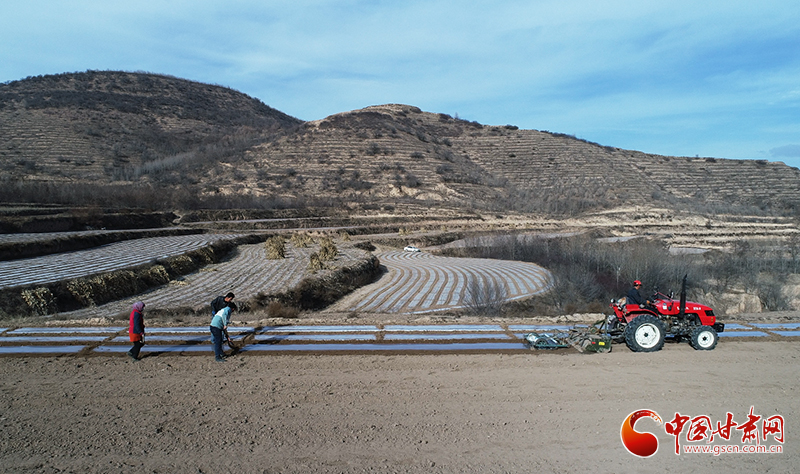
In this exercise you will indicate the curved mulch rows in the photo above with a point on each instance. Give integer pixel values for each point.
(106, 258)
(421, 282)
(247, 274)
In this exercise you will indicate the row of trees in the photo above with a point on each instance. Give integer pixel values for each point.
(588, 273)
(144, 196)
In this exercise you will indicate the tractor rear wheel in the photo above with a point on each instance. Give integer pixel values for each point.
(645, 333)
(703, 338)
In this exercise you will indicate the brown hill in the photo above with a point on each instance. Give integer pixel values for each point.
(114, 127)
(394, 152)
(170, 143)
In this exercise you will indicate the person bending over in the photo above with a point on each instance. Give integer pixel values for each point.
(219, 330)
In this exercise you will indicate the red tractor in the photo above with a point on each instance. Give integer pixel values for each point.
(645, 327)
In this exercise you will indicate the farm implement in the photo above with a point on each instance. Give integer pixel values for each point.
(642, 327)
(592, 338)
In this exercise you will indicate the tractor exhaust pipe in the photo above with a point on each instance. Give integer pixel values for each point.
(682, 312)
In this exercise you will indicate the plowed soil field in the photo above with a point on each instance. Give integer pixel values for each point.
(445, 413)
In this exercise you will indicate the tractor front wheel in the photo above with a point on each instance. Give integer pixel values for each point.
(703, 338)
(645, 333)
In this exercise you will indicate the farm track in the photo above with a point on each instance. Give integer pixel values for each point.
(421, 282)
(106, 258)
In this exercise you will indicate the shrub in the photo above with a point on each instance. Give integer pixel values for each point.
(374, 149)
(409, 180)
(276, 248)
(301, 239)
(365, 246)
(770, 293)
(328, 250)
(315, 263)
(276, 309)
(485, 297)
(81, 291)
(40, 300)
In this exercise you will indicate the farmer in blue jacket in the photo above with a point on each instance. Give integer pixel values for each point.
(219, 330)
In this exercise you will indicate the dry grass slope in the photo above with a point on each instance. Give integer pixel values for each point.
(161, 141)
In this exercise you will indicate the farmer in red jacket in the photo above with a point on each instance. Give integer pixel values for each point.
(136, 330)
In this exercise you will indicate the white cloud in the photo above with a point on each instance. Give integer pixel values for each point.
(786, 151)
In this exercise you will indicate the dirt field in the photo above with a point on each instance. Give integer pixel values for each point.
(538, 412)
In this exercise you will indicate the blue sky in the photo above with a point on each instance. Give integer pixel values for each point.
(685, 78)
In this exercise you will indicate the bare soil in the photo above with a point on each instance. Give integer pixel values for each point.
(557, 411)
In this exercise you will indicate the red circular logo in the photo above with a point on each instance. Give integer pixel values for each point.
(642, 444)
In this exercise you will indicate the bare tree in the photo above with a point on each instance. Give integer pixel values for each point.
(485, 296)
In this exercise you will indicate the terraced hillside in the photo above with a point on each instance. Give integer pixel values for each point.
(167, 143)
(396, 152)
(114, 125)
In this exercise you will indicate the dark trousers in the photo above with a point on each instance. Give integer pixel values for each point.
(216, 338)
(137, 346)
